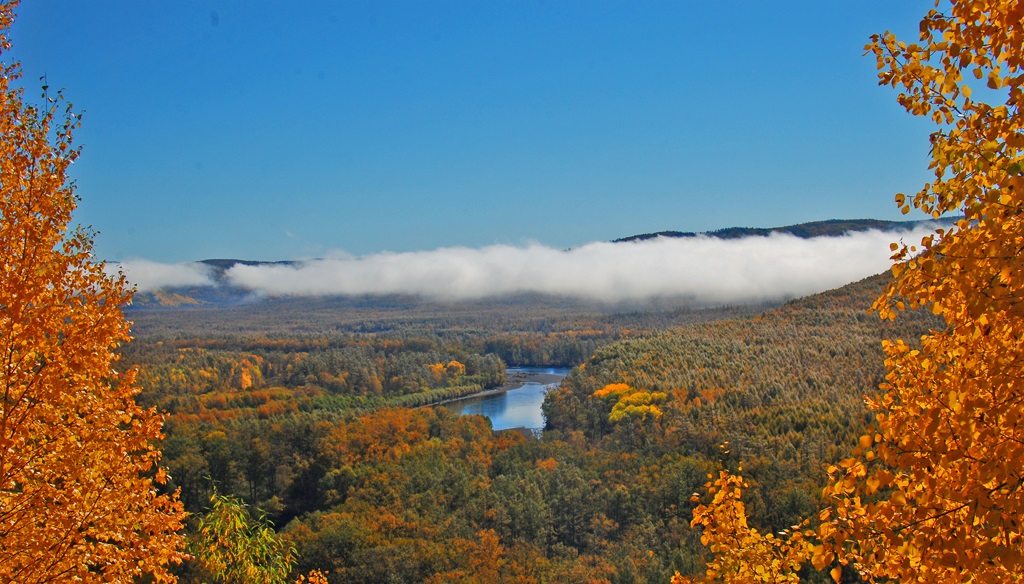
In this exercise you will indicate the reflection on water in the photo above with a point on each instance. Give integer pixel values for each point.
(516, 408)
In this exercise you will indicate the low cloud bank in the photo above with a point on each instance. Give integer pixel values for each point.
(704, 269)
(148, 276)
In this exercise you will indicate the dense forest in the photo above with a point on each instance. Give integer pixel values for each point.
(315, 432)
(308, 441)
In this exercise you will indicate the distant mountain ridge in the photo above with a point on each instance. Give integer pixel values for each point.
(219, 266)
(224, 293)
(827, 228)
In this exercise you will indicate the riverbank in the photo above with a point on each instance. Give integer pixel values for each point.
(514, 379)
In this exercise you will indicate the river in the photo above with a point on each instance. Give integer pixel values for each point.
(520, 405)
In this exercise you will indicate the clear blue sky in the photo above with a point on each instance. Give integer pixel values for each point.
(273, 130)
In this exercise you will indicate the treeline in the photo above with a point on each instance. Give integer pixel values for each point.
(216, 379)
(560, 328)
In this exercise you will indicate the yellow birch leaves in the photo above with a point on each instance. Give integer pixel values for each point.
(742, 554)
(79, 496)
(936, 492)
(630, 402)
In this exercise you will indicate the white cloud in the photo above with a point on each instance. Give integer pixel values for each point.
(147, 275)
(706, 269)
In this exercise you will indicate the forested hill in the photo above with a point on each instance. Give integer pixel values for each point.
(780, 393)
(829, 228)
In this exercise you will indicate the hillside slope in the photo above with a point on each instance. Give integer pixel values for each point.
(783, 390)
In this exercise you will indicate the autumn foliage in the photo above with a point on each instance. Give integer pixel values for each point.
(935, 492)
(630, 402)
(742, 553)
(78, 476)
(299, 429)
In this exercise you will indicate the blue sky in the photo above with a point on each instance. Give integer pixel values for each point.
(272, 130)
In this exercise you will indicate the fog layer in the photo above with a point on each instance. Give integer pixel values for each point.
(148, 276)
(704, 269)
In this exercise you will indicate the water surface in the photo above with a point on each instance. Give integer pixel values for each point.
(515, 408)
